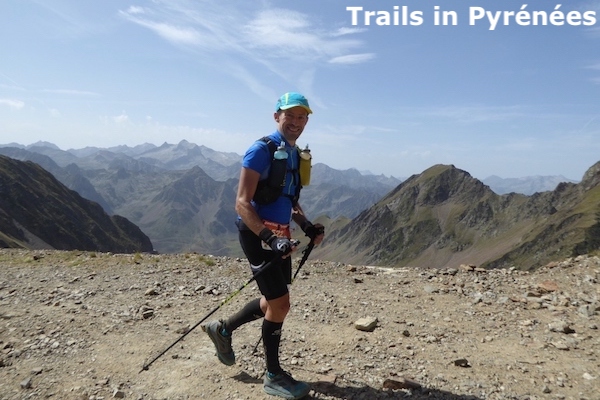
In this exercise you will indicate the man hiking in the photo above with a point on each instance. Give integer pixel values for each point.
(267, 201)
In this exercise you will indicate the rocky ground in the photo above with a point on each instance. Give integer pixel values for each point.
(80, 325)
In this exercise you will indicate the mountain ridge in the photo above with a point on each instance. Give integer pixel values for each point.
(446, 217)
(439, 217)
(37, 211)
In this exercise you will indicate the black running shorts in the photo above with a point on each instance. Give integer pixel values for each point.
(273, 282)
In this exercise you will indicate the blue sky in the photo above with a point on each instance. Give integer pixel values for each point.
(513, 101)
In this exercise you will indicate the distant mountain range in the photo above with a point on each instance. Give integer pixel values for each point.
(527, 185)
(182, 196)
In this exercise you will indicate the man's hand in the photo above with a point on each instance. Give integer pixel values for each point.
(281, 246)
(315, 232)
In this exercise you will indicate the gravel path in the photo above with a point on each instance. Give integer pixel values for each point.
(80, 325)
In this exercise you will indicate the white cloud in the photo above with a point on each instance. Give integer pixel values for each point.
(70, 92)
(476, 114)
(121, 119)
(135, 10)
(594, 66)
(12, 104)
(352, 58)
(170, 32)
(176, 34)
(348, 31)
(291, 34)
(240, 36)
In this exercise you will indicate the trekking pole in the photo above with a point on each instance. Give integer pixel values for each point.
(231, 296)
(305, 254)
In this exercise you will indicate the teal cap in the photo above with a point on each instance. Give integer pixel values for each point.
(292, 99)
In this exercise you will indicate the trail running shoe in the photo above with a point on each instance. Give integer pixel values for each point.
(222, 342)
(283, 385)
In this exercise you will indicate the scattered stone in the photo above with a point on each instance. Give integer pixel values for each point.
(560, 345)
(548, 287)
(400, 383)
(26, 383)
(103, 382)
(366, 324)
(182, 330)
(587, 310)
(146, 311)
(329, 379)
(61, 332)
(462, 362)
(467, 267)
(546, 389)
(431, 289)
(209, 290)
(561, 327)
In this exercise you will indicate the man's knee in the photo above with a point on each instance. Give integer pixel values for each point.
(280, 306)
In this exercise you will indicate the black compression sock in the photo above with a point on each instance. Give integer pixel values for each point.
(250, 312)
(271, 334)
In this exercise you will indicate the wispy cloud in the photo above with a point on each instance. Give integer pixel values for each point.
(265, 33)
(172, 33)
(69, 21)
(475, 114)
(70, 92)
(133, 10)
(282, 33)
(348, 31)
(116, 120)
(251, 35)
(352, 58)
(12, 104)
(595, 67)
(12, 82)
(121, 119)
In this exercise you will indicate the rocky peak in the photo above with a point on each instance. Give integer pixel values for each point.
(591, 178)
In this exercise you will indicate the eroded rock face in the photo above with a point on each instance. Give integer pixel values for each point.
(80, 325)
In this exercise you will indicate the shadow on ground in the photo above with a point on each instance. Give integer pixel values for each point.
(365, 392)
(338, 391)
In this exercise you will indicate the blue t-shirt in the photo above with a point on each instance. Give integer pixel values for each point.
(258, 158)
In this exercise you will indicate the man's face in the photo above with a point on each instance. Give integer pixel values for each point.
(291, 122)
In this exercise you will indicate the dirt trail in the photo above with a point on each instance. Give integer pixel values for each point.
(79, 325)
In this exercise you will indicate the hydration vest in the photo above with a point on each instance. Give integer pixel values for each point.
(267, 191)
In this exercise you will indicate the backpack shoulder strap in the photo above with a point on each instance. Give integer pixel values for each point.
(271, 144)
